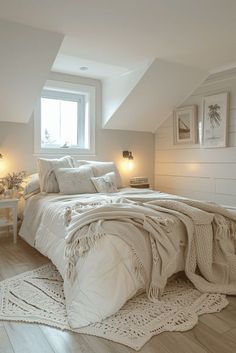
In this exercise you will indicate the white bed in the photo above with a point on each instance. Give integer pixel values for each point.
(105, 277)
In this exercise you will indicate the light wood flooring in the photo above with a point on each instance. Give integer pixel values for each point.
(215, 333)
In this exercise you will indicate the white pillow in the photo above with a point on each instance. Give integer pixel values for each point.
(30, 184)
(75, 180)
(46, 168)
(105, 183)
(101, 168)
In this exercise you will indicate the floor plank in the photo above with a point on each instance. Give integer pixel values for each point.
(64, 341)
(178, 343)
(215, 323)
(27, 338)
(230, 335)
(210, 340)
(215, 333)
(5, 344)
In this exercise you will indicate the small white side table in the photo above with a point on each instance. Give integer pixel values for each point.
(10, 204)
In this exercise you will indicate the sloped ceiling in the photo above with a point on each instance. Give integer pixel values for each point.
(162, 88)
(182, 39)
(27, 55)
(117, 88)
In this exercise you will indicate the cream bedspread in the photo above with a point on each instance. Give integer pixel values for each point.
(119, 244)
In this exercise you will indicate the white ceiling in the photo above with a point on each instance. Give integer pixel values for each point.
(126, 33)
(117, 40)
(83, 67)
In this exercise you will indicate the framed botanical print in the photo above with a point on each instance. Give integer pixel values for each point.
(185, 125)
(215, 120)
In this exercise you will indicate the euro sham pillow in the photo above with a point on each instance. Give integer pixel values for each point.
(102, 168)
(105, 183)
(75, 180)
(46, 170)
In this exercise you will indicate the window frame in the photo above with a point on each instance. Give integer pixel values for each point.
(62, 89)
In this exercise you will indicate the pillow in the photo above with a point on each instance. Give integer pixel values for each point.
(105, 183)
(101, 168)
(31, 185)
(46, 168)
(75, 180)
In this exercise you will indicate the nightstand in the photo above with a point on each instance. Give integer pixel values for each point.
(10, 204)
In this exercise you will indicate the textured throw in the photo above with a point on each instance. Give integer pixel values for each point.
(210, 256)
(37, 297)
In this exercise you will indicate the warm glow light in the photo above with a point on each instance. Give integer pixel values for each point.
(3, 166)
(130, 164)
(193, 167)
(127, 165)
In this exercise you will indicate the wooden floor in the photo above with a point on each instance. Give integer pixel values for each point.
(215, 333)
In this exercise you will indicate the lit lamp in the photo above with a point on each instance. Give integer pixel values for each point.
(1, 164)
(127, 155)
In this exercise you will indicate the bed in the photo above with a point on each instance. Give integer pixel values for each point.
(110, 246)
(105, 277)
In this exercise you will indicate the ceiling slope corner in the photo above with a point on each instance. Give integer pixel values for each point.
(27, 55)
(116, 89)
(162, 88)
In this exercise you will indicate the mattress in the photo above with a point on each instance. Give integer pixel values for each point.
(105, 277)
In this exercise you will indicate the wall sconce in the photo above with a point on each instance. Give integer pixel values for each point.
(128, 154)
(1, 156)
(129, 164)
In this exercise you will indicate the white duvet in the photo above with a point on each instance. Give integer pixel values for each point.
(105, 277)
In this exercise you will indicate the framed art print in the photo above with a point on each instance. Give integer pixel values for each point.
(215, 120)
(185, 125)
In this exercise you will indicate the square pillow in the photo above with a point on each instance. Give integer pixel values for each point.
(105, 183)
(101, 168)
(46, 168)
(75, 180)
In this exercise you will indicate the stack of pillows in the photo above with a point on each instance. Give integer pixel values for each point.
(69, 176)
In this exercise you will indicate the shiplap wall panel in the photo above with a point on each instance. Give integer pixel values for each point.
(194, 171)
(227, 187)
(186, 183)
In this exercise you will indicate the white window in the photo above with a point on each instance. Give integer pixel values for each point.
(64, 119)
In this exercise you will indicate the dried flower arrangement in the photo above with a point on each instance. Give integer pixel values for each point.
(14, 180)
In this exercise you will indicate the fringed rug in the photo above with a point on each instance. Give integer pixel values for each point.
(37, 297)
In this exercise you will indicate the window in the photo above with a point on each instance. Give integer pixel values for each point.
(64, 119)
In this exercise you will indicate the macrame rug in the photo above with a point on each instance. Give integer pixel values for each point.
(37, 297)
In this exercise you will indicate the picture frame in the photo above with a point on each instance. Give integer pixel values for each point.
(215, 120)
(185, 125)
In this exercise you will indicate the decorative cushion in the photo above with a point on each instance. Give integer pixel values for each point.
(101, 168)
(105, 183)
(31, 185)
(75, 180)
(46, 169)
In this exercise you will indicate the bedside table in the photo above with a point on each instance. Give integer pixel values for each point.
(10, 204)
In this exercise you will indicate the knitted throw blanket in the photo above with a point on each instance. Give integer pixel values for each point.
(210, 256)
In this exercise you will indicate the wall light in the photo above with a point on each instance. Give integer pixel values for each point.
(128, 154)
(129, 164)
(1, 156)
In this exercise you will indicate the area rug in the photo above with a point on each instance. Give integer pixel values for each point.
(37, 297)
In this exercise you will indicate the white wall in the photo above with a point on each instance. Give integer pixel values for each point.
(17, 142)
(192, 171)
